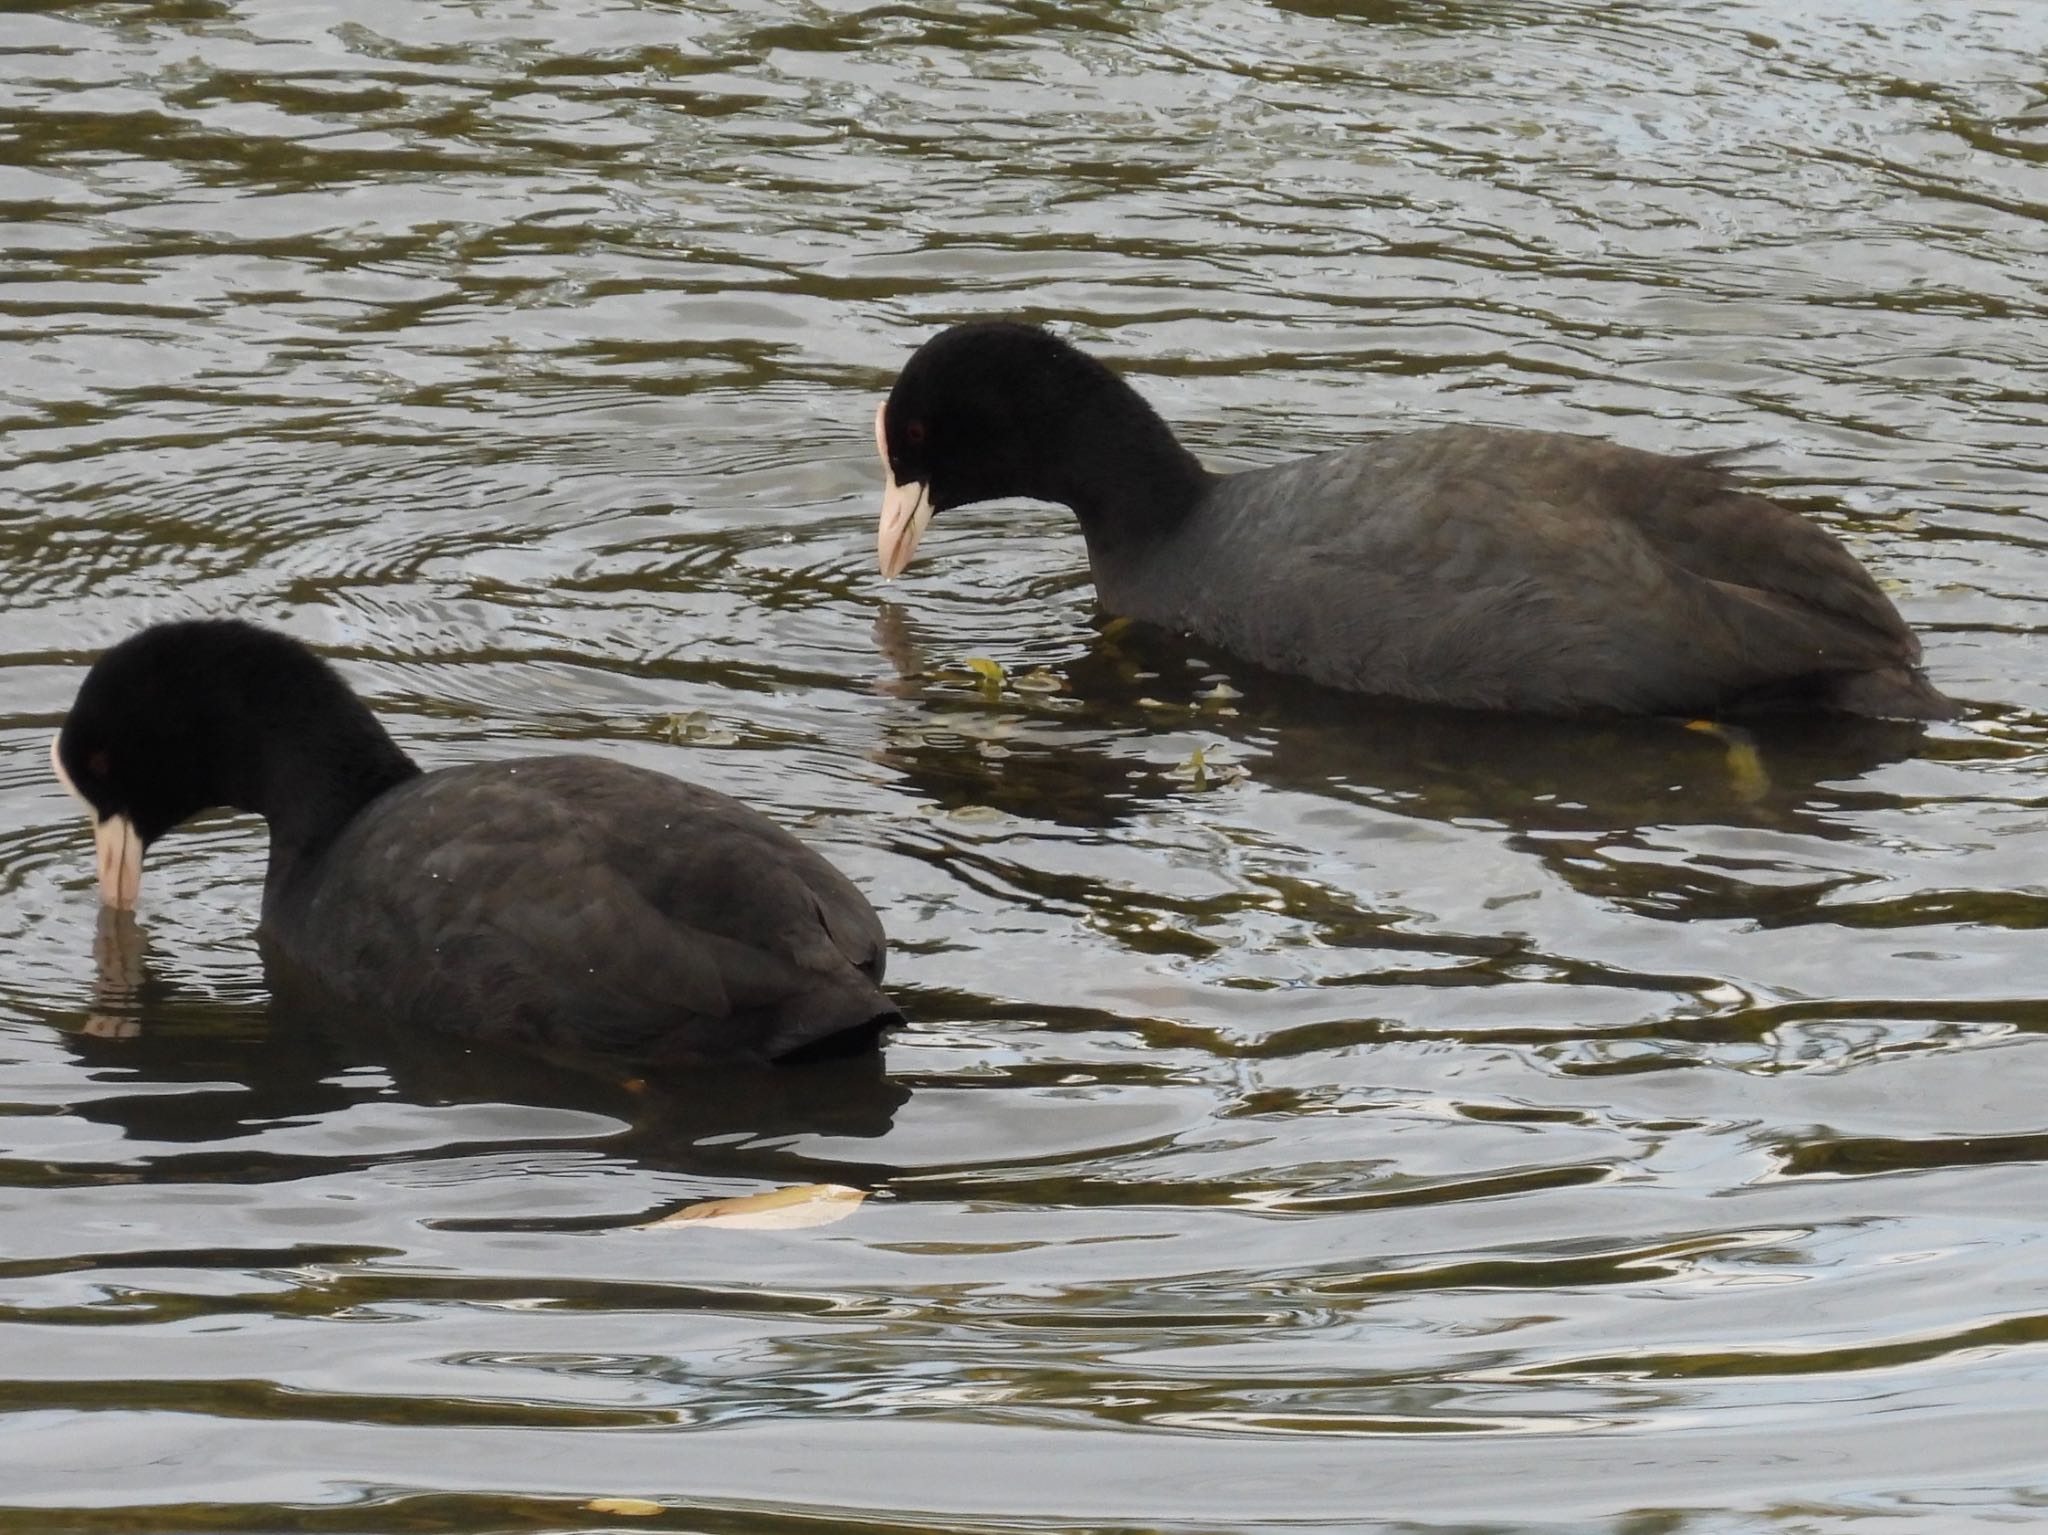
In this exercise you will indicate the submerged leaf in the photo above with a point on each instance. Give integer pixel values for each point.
(788, 1209)
(976, 815)
(695, 726)
(1747, 775)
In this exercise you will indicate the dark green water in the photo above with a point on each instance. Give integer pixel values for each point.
(1445, 1126)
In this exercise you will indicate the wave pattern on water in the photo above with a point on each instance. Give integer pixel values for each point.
(1447, 1124)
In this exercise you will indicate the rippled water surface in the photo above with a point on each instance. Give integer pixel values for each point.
(1398, 1122)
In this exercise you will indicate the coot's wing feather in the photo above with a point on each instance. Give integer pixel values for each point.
(580, 904)
(1695, 514)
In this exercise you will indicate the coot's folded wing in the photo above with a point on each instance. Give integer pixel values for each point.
(579, 904)
(1526, 570)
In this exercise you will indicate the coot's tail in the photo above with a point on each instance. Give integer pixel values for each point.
(1894, 693)
(830, 1024)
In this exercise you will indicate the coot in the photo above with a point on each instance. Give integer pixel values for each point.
(566, 904)
(1473, 566)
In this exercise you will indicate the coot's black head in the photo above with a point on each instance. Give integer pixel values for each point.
(994, 409)
(187, 716)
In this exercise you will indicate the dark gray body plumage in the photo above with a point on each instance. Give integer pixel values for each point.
(1503, 569)
(581, 905)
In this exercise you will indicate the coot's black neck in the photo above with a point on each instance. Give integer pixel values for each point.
(1116, 464)
(312, 775)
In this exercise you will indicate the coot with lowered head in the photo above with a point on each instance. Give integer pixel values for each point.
(1475, 566)
(566, 904)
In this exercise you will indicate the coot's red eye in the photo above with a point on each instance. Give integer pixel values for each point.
(914, 433)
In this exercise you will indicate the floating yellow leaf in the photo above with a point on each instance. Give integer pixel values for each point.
(803, 1204)
(990, 672)
(1201, 771)
(637, 1508)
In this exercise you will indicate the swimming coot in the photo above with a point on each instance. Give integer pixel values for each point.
(1473, 566)
(566, 904)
